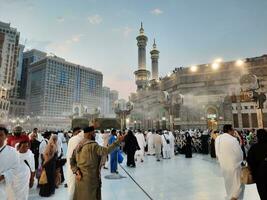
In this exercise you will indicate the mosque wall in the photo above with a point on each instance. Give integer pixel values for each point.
(207, 97)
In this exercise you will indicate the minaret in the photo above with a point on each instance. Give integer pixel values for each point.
(141, 75)
(141, 43)
(155, 61)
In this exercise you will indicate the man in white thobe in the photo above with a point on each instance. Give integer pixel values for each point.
(172, 143)
(24, 173)
(63, 142)
(158, 145)
(73, 142)
(150, 143)
(229, 154)
(105, 136)
(142, 143)
(39, 135)
(9, 163)
(166, 145)
(99, 139)
(59, 147)
(42, 147)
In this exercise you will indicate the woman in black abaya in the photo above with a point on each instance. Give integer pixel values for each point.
(49, 165)
(188, 146)
(257, 161)
(131, 145)
(213, 136)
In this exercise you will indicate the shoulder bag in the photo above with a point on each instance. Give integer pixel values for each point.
(246, 175)
(167, 140)
(43, 177)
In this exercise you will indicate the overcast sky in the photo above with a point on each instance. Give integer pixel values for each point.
(101, 33)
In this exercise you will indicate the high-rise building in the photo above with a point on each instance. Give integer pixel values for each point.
(18, 93)
(29, 57)
(114, 96)
(54, 86)
(17, 105)
(105, 101)
(9, 49)
(14, 92)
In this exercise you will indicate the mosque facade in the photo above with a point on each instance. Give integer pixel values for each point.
(210, 93)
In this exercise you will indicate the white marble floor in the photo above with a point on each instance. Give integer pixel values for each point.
(198, 178)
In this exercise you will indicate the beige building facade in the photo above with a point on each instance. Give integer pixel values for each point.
(9, 50)
(211, 95)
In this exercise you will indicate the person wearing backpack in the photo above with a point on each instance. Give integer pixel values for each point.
(257, 161)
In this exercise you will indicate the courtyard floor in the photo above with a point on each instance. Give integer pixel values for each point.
(179, 178)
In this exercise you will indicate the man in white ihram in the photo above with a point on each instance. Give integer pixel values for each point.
(9, 160)
(230, 157)
(166, 148)
(73, 142)
(172, 143)
(142, 143)
(150, 143)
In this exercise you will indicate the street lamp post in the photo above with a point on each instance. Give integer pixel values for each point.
(122, 110)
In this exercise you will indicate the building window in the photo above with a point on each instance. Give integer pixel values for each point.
(92, 86)
(63, 78)
(254, 120)
(245, 120)
(235, 119)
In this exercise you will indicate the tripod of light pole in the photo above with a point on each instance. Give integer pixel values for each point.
(122, 109)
